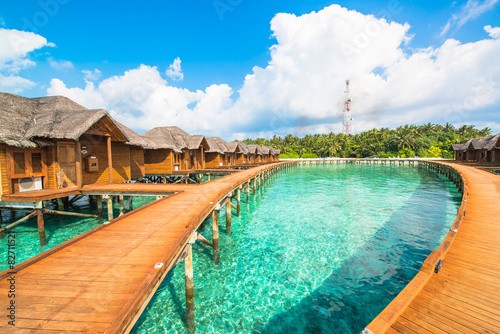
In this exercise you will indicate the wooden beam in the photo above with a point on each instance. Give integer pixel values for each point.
(228, 217)
(65, 213)
(110, 207)
(110, 159)
(99, 208)
(238, 198)
(122, 205)
(41, 227)
(189, 281)
(78, 163)
(20, 221)
(215, 235)
(203, 240)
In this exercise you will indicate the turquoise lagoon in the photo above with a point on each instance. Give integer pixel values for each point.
(319, 249)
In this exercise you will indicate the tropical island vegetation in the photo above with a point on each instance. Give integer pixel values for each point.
(407, 141)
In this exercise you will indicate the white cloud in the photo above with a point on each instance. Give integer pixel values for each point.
(471, 10)
(15, 46)
(301, 89)
(61, 64)
(493, 32)
(92, 75)
(142, 99)
(174, 70)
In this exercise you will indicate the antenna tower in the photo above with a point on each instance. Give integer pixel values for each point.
(346, 123)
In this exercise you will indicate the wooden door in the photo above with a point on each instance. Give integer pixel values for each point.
(67, 164)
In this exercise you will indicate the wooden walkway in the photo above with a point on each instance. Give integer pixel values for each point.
(101, 281)
(464, 297)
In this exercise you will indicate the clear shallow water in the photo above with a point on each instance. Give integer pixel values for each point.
(58, 229)
(319, 249)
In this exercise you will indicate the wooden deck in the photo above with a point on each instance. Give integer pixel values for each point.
(464, 297)
(101, 281)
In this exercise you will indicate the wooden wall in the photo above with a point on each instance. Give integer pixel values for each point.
(496, 155)
(52, 167)
(199, 158)
(4, 183)
(158, 161)
(121, 162)
(241, 159)
(212, 160)
(137, 168)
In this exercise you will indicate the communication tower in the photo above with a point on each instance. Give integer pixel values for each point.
(346, 123)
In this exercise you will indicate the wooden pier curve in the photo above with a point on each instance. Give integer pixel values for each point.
(464, 296)
(101, 281)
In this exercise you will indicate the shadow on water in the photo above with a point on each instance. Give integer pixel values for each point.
(362, 287)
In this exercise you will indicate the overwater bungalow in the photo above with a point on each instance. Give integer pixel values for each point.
(478, 149)
(243, 156)
(255, 153)
(53, 143)
(215, 156)
(188, 151)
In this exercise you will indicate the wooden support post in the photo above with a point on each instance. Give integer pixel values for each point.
(164, 179)
(60, 204)
(208, 176)
(238, 198)
(110, 207)
(188, 276)
(215, 235)
(1, 219)
(255, 185)
(122, 205)
(41, 227)
(248, 192)
(99, 208)
(228, 217)
(110, 159)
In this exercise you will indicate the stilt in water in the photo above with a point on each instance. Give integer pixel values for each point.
(238, 197)
(188, 275)
(41, 227)
(122, 205)
(1, 219)
(215, 235)
(60, 204)
(228, 217)
(99, 208)
(110, 207)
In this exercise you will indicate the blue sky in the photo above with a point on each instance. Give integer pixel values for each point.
(237, 74)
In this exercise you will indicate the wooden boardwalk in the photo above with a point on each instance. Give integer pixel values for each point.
(464, 297)
(101, 281)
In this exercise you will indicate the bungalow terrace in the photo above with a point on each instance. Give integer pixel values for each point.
(53, 143)
(478, 149)
(177, 150)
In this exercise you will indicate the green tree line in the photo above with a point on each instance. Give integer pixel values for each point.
(406, 141)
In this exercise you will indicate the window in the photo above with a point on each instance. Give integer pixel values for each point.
(26, 163)
(19, 163)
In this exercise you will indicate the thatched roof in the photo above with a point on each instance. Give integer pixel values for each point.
(134, 139)
(488, 144)
(243, 148)
(175, 138)
(257, 149)
(25, 122)
(216, 145)
(233, 148)
(266, 150)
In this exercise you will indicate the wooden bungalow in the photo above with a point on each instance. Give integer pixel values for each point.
(53, 142)
(243, 156)
(266, 154)
(275, 154)
(478, 149)
(188, 150)
(258, 153)
(161, 154)
(215, 156)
